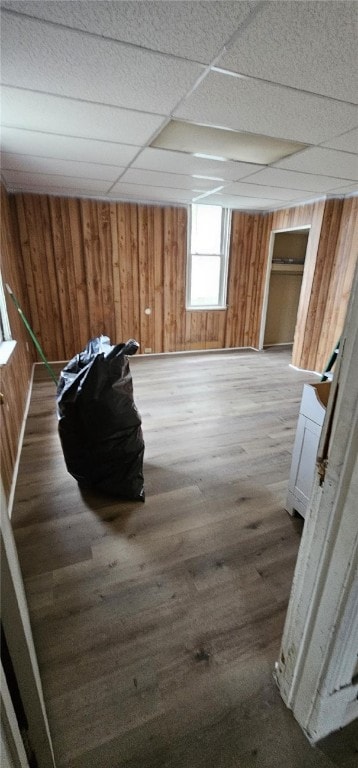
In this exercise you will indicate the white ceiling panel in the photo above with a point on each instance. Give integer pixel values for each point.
(343, 165)
(307, 45)
(258, 107)
(53, 114)
(348, 142)
(65, 147)
(91, 84)
(150, 194)
(56, 191)
(43, 181)
(237, 202)
(32, 164)
(259, 190)
(171, 180)
(178, 162)
(295, 180)
(350, 189)
(193, 30)
(61, 61)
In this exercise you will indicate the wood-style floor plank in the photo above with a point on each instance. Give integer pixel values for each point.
(157, 625)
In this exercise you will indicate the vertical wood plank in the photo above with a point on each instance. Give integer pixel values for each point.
(144, 269)
(24, 235)
(83, 332)
(62, 272)
(133, 267)
(168, 318)
(158, 303)
(180, 261)
(67, 257)
(116, 278)
(54, 350)
(105, 269)
(123, 249)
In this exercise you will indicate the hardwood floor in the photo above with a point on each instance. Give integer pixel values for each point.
(157, 625)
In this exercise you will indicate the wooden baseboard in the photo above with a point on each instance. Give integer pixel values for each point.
(41, 372)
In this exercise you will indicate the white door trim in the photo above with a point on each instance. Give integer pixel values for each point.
(16, 624)
(273, 233)
(11, 741)
(316, 669)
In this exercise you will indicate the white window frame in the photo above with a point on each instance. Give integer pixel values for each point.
(7, 344)
(224, 261)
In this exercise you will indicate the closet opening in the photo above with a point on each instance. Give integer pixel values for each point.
(283, 286)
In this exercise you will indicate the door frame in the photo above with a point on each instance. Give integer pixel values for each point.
(317, 668)
(273, 233)
(16, 623)
(11, 741)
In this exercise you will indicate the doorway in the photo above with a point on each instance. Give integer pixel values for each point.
(288, 249)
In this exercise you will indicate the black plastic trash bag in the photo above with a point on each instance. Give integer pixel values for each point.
(99, 425)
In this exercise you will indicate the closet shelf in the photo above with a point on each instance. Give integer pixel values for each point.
(296, 269)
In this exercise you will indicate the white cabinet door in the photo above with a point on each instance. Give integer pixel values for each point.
(303, 465)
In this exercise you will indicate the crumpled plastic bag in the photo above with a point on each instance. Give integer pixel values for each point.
(99, 424)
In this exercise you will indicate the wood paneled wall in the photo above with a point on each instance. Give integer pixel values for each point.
(94, 267)
(330, 262)
(343, 262)
(247, 272)
(16, 374)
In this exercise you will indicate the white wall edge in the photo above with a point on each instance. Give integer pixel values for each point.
(20, 442)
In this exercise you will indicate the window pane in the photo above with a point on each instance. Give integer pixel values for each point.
(5, 332)
(206, 229)
(205, 281)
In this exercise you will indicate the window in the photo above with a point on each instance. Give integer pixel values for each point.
(6, 343)
(5, 332)
(208, 257)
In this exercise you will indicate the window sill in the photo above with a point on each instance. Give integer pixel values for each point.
(206, 309)
(6, 350)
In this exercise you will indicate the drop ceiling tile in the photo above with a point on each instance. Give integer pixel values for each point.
(256, 190)
(348, 142)
(51, 59)
(53, 114)
(240, 203)
(307, 45)
(32, 164)
(328, 162)
(66, 148)
(179, 162)
(291, 180)
(350, 189)
(192, 30)
(257, 107)
(170, 180)
(52, 181)
(56, 191)
(149, 193)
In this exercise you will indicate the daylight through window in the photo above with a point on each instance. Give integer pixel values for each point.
(5, 332)
(208, 257)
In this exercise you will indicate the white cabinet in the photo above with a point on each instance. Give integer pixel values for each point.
(310, 420)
